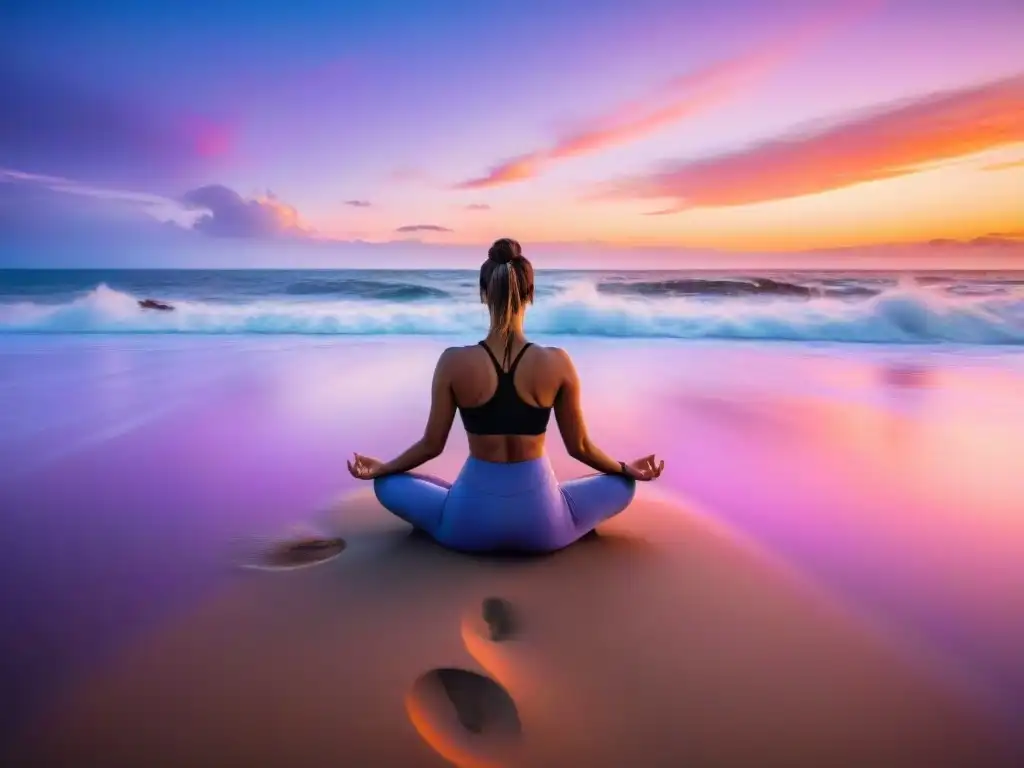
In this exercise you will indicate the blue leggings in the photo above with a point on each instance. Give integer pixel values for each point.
(509, 507)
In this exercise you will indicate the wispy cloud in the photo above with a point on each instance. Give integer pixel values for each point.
(157, 206)
(478, 207)
(228, 214)
(212, 209)
(892, 141)
(680, 98)
(408, 228)
(57, 209)
(1004, 166)
(358, 203)
(998, 239)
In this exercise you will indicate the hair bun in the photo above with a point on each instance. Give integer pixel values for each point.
(505, 250)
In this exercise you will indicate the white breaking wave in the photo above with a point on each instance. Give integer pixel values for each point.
(901, 315)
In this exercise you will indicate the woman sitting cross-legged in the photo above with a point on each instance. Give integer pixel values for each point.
(506, 498)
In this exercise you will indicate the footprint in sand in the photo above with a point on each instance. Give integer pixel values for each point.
(300, 552)
(501, 619)
(466, 717)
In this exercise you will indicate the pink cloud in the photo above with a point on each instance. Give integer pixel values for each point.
(893, 141)
(680, 98)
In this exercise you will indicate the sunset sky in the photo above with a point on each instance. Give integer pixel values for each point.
(599, 127)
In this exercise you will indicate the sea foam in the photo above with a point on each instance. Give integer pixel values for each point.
(902, 314)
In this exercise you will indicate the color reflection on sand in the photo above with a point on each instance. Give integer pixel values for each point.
(890, 480)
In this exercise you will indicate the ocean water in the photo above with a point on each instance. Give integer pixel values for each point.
(973, 308)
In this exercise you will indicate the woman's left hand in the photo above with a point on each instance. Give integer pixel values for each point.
(365, 467)
(646, 468)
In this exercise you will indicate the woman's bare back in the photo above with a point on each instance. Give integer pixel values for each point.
(474, 381)
(493, 404)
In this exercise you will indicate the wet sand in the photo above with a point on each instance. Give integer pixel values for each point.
(662, 641)
(833, 565)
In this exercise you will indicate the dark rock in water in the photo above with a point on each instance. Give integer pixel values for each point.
(500, 618)
(154, 304)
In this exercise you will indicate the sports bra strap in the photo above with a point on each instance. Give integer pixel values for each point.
(512, 368)
(497, 365)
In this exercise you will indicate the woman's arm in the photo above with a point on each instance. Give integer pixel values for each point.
(439, 423)
(569, 415)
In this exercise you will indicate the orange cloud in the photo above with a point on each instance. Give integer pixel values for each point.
(1004, 166)
(516, 169)
(680, 98)
(891, 142)
(286, 216)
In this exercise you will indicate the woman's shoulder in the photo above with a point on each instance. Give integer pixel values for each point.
(457, 355)
(555, 360)
(555, 353)
(451, 352)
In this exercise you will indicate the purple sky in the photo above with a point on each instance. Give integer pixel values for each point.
(752, 127)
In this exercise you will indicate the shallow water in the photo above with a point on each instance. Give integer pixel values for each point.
(133, 469)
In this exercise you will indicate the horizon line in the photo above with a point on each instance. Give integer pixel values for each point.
(847, 270)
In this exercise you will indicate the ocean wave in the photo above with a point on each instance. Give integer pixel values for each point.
(366, 289)
(900, 316)
(733, 287)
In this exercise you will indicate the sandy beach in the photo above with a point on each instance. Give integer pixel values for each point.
(825, 574)
(782, 244)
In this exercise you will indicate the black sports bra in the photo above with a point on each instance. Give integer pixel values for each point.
(505, 413)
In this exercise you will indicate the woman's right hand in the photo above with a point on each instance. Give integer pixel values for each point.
(646, 468)
(365, 467)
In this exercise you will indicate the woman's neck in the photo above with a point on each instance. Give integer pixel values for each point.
(515, 332)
